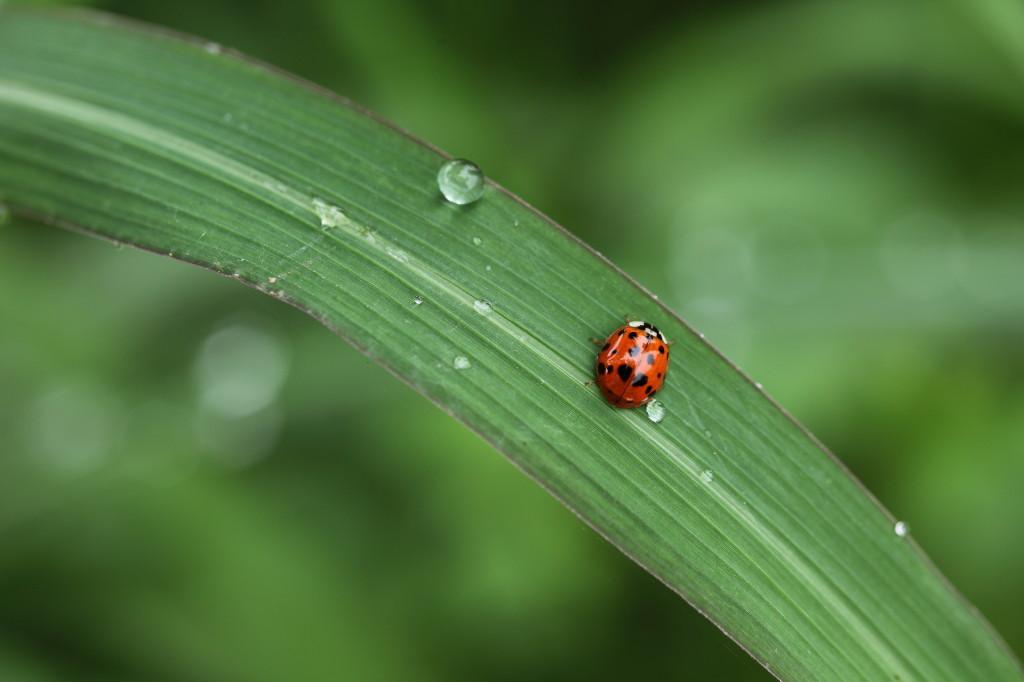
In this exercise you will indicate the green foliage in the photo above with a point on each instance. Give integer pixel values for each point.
(188, 151)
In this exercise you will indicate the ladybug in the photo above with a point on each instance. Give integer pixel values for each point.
(631, 365)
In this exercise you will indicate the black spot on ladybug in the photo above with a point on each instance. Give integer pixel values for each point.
(621, 332)
(659, 375)
(625, 371)
(615, 351)
(661, 349)
(634, 350)
(653, 392)
(633, 335)
(651, 357)
(641, 380)
(600, 368)
(649, 390)
(606, 346)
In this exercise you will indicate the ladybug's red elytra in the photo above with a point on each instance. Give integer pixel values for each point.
(632, 364)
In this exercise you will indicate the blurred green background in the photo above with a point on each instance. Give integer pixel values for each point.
(199, 483)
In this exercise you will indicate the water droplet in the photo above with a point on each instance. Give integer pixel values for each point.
(272, 279)
(655, 411)
(397, 254)
(461, 181)
(901, 528)
(487, 268)
(213, 48)
(418, 300)
(461, 362)
(707, 475)
(330, 215)
(758, 385)
(477, 241)
(482, 307)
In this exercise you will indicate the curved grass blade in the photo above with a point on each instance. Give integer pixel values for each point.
(183, 149)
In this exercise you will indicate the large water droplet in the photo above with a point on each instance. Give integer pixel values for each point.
(461, 181)
(708, 476)
(418, 300)
(902, 528)
(482, 307)
(461, 362)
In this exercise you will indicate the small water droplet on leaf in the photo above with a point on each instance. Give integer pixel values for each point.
(655, 411)
(461, 181)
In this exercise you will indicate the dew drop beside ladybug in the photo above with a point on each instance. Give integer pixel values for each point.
(632, 364)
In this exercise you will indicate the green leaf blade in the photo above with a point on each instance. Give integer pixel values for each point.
(183, 149)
